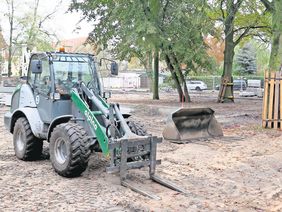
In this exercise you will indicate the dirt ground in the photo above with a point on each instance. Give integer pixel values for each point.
(240, 172)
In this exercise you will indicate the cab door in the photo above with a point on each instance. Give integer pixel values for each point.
(41, 83)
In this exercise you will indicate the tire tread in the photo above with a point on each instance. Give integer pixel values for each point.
(80, 149)
(34, 145)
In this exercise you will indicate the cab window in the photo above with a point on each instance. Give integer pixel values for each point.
(42, 81)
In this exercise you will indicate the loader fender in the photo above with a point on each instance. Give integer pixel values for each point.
(22, 97)
(57, 121)
(32, 116)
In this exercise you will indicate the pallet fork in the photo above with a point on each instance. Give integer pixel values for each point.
(149, 148)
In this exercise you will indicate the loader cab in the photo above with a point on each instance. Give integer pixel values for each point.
(52, 77)
(71, 69)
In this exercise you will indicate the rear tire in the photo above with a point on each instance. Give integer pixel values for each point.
(137, 129)
(69, 150)
(27, 147)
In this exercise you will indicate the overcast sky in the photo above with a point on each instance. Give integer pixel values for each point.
(63, 23)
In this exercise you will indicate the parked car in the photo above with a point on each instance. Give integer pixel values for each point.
(237, 85)
(196, 85)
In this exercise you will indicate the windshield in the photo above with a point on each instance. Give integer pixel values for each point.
(72, 69)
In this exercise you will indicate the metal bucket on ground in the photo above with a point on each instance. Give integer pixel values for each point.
(192, 123)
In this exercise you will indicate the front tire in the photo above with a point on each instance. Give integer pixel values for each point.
(27, 147)
(69, 150)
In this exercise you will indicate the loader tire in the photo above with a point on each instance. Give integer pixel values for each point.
(27, 147)
(69, 150)
(137, 128)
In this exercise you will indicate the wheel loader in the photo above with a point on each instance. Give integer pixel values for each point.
(62, 102)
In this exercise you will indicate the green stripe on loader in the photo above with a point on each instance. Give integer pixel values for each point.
(93, 122)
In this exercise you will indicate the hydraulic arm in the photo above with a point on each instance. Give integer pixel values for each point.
(125, 149)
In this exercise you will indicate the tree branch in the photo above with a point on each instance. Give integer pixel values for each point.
(164, 10)
(221, 8)
(48, 16)
(237, 5)
(251, 27)
(268, 5)
(244, 34)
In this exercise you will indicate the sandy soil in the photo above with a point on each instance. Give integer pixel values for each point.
(240, 172)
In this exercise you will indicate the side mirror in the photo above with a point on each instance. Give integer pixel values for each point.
(114, 68)
(36, 67)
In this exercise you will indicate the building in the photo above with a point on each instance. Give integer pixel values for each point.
(76, 45)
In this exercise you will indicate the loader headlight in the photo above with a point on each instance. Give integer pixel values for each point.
(57, 96)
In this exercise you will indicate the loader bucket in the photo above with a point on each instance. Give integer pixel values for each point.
(192, 123)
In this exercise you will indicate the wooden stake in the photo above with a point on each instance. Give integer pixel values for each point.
(271, 102)
(276, 100)
(280, 102)
(265, 99)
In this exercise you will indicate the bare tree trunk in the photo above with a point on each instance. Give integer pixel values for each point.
(227, 68)
(182, 79)
(11, 23)
(174, 77)
(149, 70)
(156, 75)
(228, 51)
(275, 62)
(32, 32)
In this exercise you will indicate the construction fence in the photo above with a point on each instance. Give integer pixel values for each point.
(131, 80)
(272, 101)
(214, 81)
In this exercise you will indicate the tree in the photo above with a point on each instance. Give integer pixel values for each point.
(263, 54)
(33, 33)
(216, 48)
(275, 8)
(241, 19)
(246, 60)
(171, 30)
(10, 14)
(27, 29)
(3, 46)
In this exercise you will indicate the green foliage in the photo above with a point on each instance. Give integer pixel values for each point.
(276, 48)
(250, 19)
(263, 54)
(134, 28)
(31, 34)
(246, 60)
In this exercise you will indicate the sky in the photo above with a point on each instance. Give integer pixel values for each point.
(63, 23)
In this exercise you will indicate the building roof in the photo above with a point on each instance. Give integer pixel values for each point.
(76, 45)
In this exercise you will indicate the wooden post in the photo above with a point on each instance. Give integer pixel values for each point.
(271, 100)
(276, 100)
(280, 103)
(265, 99)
